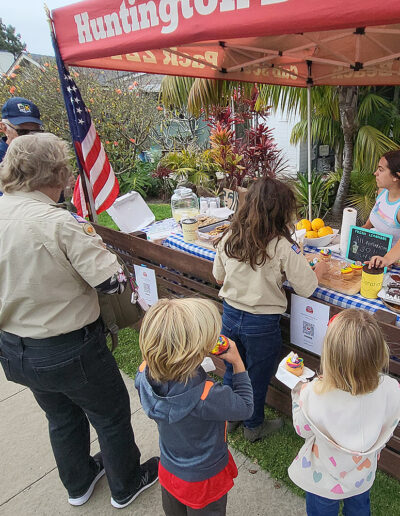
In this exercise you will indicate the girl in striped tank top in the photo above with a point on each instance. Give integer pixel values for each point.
(385, 215)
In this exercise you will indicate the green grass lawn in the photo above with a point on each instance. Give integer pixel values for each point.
(161, 212)
(274, 454)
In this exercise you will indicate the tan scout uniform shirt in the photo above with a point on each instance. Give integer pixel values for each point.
(260, 291)
(48, 267)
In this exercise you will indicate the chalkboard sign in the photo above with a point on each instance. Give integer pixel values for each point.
(365, 243)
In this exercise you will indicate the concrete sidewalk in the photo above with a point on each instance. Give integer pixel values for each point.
(29, 482)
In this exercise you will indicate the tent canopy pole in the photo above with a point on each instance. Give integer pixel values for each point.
(309, 151)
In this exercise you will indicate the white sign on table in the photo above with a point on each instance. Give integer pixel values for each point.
(146, 281)
(308, 323)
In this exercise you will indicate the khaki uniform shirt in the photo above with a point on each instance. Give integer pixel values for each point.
(49, 265)
(260, 291)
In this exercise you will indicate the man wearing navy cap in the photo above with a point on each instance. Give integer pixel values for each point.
(19, 116)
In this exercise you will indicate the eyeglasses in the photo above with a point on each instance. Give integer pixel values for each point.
(9, 125)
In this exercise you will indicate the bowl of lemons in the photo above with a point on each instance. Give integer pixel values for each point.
(317, 234)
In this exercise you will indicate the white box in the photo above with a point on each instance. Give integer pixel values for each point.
(131, 213)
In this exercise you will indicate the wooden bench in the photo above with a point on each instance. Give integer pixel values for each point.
(183, 275)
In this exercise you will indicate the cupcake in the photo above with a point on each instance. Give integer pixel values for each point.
(295, 364)
(357, 268)
(326, 255)
(221, 346)
(346, 273)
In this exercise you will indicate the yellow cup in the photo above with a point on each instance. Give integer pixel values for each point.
(371, 282)
(189, 229)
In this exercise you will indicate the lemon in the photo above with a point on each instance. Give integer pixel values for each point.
(326, 230)
(317, 224)
(304, 224)
(311, 234)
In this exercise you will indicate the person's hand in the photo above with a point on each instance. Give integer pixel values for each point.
(379, 261)
(320, 269)
(233, 357)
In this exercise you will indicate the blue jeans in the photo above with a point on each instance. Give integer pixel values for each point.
(258, 339)
(74, 378)
(354, 506)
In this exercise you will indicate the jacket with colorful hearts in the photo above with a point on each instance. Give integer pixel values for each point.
(344, 435)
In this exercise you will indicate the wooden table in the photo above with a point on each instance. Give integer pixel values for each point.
(182, 275)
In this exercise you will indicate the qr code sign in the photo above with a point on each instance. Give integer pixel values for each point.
(308, 329)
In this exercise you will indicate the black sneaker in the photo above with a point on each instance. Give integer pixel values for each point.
(100, 472)
(148, 477)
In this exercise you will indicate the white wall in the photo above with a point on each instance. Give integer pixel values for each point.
(6, 60)
(282, 126)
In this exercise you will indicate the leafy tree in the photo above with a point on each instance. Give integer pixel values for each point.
(124, 115)
(10, 41)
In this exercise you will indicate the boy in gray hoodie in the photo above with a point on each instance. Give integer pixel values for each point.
(196, 469)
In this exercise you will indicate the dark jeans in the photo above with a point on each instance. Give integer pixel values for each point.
(74, 377)
(173, 507)
(258, 339)
(354, 506)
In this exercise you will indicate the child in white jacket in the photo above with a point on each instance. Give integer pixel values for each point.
(346, 417)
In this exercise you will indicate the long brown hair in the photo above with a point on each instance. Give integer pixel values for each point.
(268, 211)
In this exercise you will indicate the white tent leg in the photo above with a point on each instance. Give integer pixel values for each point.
(309, 150)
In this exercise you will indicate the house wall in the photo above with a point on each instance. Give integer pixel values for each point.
(282, 126)
(6, 60)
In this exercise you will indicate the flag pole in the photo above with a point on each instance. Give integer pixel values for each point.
(86, 187)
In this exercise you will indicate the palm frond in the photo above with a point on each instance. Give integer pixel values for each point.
(371, 104)
(369, 146)
(175, 90)
(325, 130)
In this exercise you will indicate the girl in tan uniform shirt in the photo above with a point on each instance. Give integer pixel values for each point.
(254, 258)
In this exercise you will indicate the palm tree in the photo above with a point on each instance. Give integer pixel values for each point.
(359, 123)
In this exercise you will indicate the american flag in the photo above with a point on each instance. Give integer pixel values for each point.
(88, 147)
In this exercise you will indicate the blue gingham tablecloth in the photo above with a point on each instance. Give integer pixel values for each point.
(324, 294)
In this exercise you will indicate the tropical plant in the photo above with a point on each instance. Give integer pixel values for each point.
(319, 194)
(140, 179)
(193, 165)
(167, 183)
(359, 123)
(242, 159)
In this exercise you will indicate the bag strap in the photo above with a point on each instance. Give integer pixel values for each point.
(136, 297)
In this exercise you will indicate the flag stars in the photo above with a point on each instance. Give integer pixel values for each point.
(74, 88)
(76, 100)
(79, 110)
(69, 89)
(80, 121)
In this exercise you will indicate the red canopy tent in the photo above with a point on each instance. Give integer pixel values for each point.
(286, 42)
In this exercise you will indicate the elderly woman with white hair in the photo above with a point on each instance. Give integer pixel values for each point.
(52, 338)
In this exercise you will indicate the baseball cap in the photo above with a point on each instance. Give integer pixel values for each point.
(19, 111)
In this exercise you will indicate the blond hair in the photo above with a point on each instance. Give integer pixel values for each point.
(354, 354)
(33, 161)
(176, 335)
